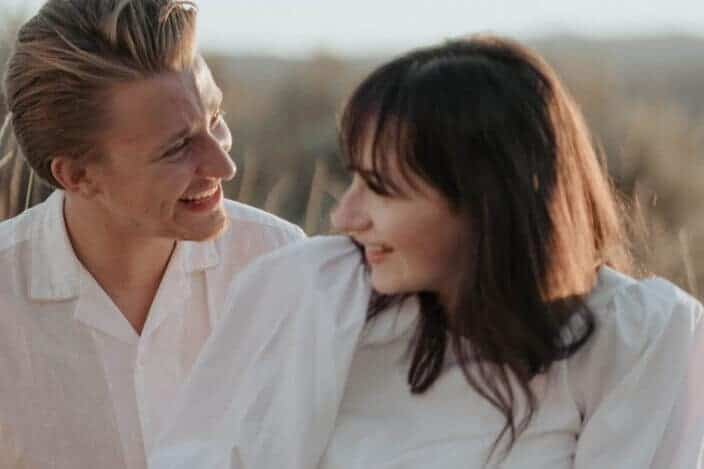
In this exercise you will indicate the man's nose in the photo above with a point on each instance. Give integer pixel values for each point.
(216, 162)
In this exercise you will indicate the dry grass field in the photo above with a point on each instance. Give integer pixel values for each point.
(642, 99)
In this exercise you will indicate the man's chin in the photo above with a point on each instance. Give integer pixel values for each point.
(213, 232)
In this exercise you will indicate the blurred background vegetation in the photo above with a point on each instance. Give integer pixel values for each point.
(642, 98)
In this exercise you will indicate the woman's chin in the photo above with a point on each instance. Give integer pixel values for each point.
(387, 286)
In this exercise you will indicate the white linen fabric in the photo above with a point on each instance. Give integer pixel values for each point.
(275, 370)
(80, 388)
(273, 394)
(610, 405)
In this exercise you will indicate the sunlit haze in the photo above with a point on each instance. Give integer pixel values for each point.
(284, 27)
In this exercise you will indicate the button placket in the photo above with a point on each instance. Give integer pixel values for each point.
(140, 387)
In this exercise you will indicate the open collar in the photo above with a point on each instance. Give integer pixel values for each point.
(199, 255)
(55, 269)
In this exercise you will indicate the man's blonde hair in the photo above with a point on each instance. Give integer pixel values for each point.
(69, 55)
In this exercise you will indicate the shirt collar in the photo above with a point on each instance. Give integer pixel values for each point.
(55, 269)
(199, 255)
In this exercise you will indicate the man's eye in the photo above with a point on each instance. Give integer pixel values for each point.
(176, 148)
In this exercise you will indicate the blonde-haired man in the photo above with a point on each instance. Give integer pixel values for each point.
(112, 285)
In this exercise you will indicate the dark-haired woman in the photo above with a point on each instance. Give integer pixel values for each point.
(500, 329)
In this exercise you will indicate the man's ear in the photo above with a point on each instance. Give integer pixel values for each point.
(73, 176)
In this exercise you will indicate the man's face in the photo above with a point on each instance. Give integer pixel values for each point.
(166, 155)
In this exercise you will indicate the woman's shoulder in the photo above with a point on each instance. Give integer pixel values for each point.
(311, 267)
(628, 379)
(645, 332)
(636, 310)
(308, 255)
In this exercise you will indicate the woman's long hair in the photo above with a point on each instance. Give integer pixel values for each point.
(488, 124)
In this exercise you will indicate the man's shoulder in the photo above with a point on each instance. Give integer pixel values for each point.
(251, 218)
(251, 233)
(19, 229)
(16, 246)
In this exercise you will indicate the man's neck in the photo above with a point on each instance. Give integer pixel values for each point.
(128, 268)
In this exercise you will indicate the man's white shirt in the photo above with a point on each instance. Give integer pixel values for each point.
(79, 388)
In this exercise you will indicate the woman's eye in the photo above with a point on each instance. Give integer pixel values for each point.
(370, 182)
(376, 186)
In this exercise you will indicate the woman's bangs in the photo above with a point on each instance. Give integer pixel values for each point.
(392, 155)
(375, 139)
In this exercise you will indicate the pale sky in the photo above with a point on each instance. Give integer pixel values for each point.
(285, 27)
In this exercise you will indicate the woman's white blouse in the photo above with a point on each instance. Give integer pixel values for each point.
(293, 378)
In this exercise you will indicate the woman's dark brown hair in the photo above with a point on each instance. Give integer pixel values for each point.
(487, 123)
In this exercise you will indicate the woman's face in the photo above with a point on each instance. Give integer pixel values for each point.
(411, 242)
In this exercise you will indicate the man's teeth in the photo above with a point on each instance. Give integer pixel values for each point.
(201, 196)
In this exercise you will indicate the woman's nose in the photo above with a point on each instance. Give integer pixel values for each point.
(350, 214)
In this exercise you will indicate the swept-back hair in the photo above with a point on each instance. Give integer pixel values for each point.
(487, 123)
(67, 58)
